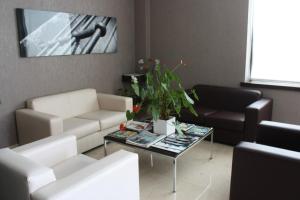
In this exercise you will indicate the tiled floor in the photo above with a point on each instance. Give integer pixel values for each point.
(197, 176)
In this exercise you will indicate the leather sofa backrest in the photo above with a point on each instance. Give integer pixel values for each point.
(21, 176)
(66, 105)
(281, 135)
(226, 98)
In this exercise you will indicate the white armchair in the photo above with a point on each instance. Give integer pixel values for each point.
(50, 169)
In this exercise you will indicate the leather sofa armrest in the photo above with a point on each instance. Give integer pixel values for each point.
(114, 102)
(262, 172)
(282, 135)
(51, 150)
(113, 177)
(254, 114)
(33, 125)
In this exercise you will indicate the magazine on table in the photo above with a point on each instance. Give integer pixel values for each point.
(123, 134)
(145, 139)
(138, 126)
(185, 126)
(175, 143)
(198, 131)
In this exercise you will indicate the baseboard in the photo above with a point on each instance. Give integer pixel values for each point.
(13, 146)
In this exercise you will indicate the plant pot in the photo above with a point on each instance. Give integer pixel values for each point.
(166, 127)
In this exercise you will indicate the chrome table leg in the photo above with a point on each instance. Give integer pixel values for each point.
(211, 145)
(105, 146)
(174, 175)
(151, 159)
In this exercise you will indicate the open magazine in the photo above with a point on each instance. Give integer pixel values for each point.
(145, 139)
(175, 143)
(185, 126)
(198, 131)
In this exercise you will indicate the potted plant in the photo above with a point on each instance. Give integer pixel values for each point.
(164, 96)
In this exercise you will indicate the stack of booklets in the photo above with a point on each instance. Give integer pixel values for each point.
(175, 143)
(145, 139)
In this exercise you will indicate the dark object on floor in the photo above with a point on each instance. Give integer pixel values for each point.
(269, 170)
(233, 112)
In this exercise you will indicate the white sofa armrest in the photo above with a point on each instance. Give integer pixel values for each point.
(50, 151)
(33, 125)
(113, 177)
(114, 102)
(23, 174)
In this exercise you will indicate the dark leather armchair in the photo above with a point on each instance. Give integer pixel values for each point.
(270, 169)
(233, 112)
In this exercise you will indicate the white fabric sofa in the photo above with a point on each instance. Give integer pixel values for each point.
(50, 169)
(83, 113)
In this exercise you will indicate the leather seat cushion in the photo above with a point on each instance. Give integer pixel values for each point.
(202, 112)
(80, 127)
(107, 119)
(226, 120)
(71, 165)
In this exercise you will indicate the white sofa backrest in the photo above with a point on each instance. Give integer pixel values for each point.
(21, 176)
(50, 151)
(83, 101)
(66, 105)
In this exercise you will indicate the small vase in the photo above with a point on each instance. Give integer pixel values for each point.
(166, 127)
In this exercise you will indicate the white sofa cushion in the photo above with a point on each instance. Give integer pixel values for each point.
(66, 105)
(80, 127)
(107, 119)
(72, 165)
(21, 175)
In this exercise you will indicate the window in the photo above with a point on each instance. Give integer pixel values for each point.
(274, 41)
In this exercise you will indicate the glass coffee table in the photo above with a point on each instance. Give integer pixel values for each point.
(162, 149)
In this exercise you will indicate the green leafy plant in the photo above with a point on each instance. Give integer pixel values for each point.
(163, 93)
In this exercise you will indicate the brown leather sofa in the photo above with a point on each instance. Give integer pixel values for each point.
(233, 112)
(269, 170)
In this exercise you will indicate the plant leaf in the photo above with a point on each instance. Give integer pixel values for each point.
(129, 115)
(195, 94)
(136, 89)
(188, 98)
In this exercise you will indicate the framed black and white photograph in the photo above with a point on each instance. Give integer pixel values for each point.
(45, 33)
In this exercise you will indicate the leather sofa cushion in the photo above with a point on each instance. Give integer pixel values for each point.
(202, 112)
(66, 105)
(107, 119)
(226, 98)
(80, 127)
(226, 120)
(72, 165)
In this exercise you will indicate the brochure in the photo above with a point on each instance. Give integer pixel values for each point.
(145, 139)
(123, 134)
(138, 126)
